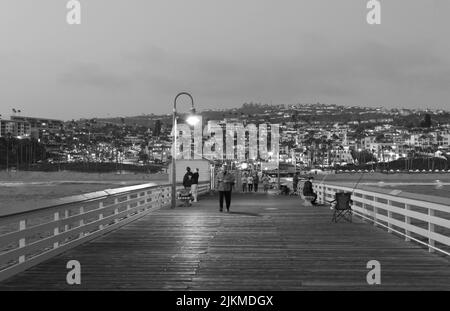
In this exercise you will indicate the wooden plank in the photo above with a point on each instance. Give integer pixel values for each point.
(266, 242)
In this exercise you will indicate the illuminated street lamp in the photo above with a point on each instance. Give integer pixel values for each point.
(192, 120)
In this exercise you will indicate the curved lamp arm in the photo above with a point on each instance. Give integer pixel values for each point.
(180, 94)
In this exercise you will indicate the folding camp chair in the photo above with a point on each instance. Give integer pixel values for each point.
(342, 206)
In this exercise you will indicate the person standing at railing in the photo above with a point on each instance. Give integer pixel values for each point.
(187, 179)
(194, 187)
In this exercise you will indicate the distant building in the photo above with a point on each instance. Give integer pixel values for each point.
(38, 126)
(443, 140)
(134, 139)
(15, 128)
(6, 127)
(367, 142)
(341, 155)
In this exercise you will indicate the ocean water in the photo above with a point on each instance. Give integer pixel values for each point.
(432, 189)
(440, 191)
(29, 192)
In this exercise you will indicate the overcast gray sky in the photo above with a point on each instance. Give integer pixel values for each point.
(130, 57)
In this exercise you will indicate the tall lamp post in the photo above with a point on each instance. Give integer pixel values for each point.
(191, 120)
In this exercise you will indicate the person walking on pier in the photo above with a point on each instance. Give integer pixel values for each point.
(224, 184)
(255, 182)
(244, 182)
(194, 187)
(250, 182)
(266, 182)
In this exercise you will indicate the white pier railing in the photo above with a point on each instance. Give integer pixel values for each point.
(423, 221)
(30, 237)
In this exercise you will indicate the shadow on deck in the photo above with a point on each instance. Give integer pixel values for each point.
(267, 242)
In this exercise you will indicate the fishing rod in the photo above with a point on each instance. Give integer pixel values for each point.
(357, 183)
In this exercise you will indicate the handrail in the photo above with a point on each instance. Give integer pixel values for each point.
(397, 193)
(391, 212)
(403, 234)
(30, 237)
(87, 197)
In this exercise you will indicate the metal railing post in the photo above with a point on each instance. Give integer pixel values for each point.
(100, 216)
(407, 222)
(430, 230)
(81, 222)
(375, 211)
(22, 242)
(56, 229)
(389, 216)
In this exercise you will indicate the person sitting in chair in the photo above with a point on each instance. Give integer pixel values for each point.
(308, 190)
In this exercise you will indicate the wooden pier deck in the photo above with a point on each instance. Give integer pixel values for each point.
(266, 242)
